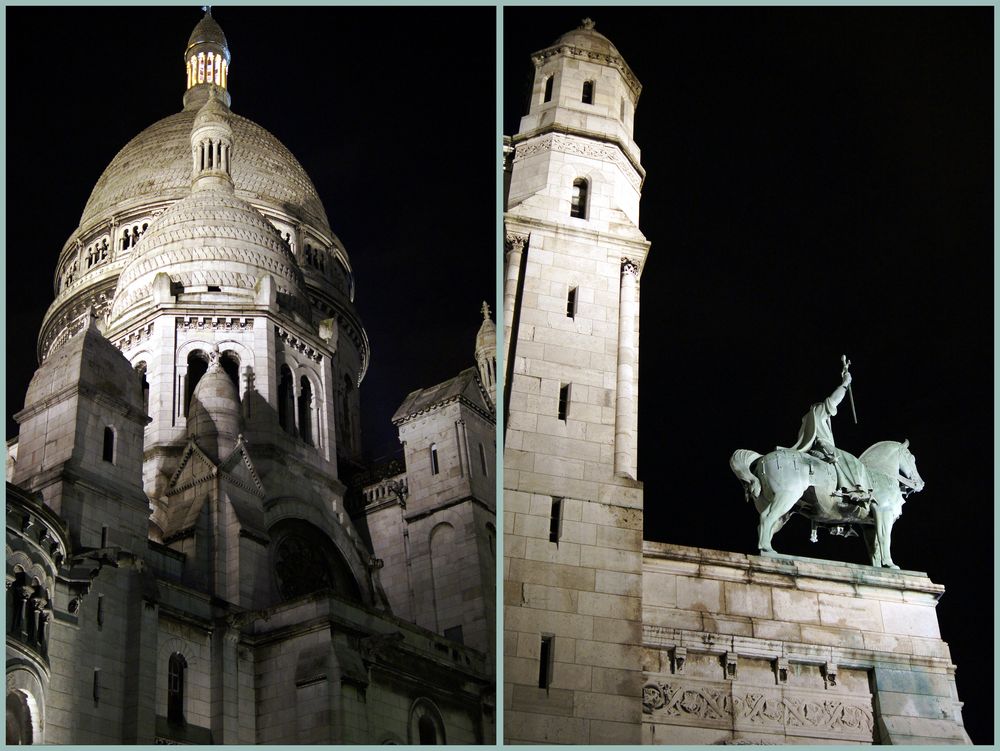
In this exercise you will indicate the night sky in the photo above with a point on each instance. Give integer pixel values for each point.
(819, 182)
(392, 113)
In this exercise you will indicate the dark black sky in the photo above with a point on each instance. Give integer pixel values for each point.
(820, 182)
(391, 112)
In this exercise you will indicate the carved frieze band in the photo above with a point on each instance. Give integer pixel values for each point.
(579, 147)
(295, 343)
(214, 323)
(705, 702)
(135, 337)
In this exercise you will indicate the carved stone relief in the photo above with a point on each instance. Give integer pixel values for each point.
(777, 711)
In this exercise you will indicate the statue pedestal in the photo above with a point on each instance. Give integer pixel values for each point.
(778, 649)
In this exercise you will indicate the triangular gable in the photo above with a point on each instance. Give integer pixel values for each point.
(195, 467)
(238, 468)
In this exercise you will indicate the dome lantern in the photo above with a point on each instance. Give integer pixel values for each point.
(206, 59)
(212, 145)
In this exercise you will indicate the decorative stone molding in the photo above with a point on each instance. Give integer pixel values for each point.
(679, 655)
(759, 710)
(630, 267)
(214, 323)
(781, 670)
(584, 147)
(729, 662)
(291, 340)
(676, 700)
(513, 242)
(134, 337)
(74, 319)
(830, 674)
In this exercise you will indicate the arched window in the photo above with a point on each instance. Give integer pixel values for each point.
(286, 401)
(588, 92)
(175, 688)
(578, 205)
(426, 726)
(548, 89)
(305, 560)
(197, 363)
(305, 411)
(230, 363)
(20, 728)
(140, 368)
(434, 459)
(428, 733)
(108, 452)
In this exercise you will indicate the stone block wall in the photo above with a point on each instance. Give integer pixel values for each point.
(791, 650)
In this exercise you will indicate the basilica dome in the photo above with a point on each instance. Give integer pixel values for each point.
(589, 40)
(155, 166)
(208, 240)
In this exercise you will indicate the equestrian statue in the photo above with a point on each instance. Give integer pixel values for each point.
(830, 487)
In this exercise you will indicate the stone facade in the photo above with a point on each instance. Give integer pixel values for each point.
(182, 565)
(782, 650)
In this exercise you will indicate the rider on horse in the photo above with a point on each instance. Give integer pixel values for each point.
(816, 438)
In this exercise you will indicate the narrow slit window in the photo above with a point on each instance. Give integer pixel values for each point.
(563, 401)
(108, 453)
(482, 458)
(588, 92)
(434, 459)
(545, 662)
(555, 520)
(622, 113)
(578, 204)
(548, 90)
(175, 688)
(571, 303)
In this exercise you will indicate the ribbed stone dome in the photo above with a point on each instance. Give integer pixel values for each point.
(156, 166)
(587, 39)
(209, 238)
(208, 31)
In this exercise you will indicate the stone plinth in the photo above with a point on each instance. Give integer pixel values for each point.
(782, 650)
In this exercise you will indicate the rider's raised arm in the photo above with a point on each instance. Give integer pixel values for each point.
(838, 393)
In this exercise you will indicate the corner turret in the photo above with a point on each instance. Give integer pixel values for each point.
(486, 355)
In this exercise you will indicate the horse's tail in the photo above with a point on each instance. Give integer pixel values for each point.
(740, 463)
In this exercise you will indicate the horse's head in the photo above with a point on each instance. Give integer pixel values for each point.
(908, 467)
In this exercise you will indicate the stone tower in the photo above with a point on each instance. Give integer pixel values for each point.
(573, 505)
(433, 524)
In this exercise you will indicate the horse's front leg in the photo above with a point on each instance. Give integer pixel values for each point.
(883, 539)
(780, 504)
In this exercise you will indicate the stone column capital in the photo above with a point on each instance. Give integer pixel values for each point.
(514, 242)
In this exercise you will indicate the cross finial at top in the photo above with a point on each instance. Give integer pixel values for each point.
(588, 24)
(207, 9)
(485, 310)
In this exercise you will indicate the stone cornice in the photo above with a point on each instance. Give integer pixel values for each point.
(590, 135)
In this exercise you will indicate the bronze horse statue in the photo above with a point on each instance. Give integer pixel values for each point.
(787, 481)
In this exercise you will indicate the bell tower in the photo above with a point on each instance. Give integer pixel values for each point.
(573, 548)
